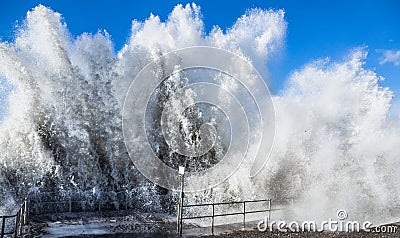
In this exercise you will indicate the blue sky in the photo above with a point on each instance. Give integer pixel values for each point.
(316, 29)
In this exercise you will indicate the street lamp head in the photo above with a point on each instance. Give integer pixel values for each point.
(181, 170)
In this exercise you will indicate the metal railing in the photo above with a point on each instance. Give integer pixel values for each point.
(43, 206)
(15, 225)
(213, 215)
(49, 207)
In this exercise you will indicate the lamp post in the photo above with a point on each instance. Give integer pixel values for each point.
(180, 212)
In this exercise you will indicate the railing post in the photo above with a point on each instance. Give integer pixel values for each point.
(269, 212)
(16, 225)
(21, 222)
(244, 214)
(212, 222)
(181, 212)
(182, 175)
(178, 218)
(3, 225)
(26, 214)
(126, 200)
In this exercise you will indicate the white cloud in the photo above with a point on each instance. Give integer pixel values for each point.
(390, 56)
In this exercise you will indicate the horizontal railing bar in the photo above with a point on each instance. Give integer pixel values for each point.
(35, 202)
(198, 205)
(198, 217)
(228, 214)
(265, 210)
(8, 216)
(260, 200)
(226, 203)
(8, 233)
(210, 216)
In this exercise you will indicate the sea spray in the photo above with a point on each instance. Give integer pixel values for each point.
(62, 135)
(336, 144)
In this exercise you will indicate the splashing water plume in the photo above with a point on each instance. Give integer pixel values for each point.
(336, 143)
